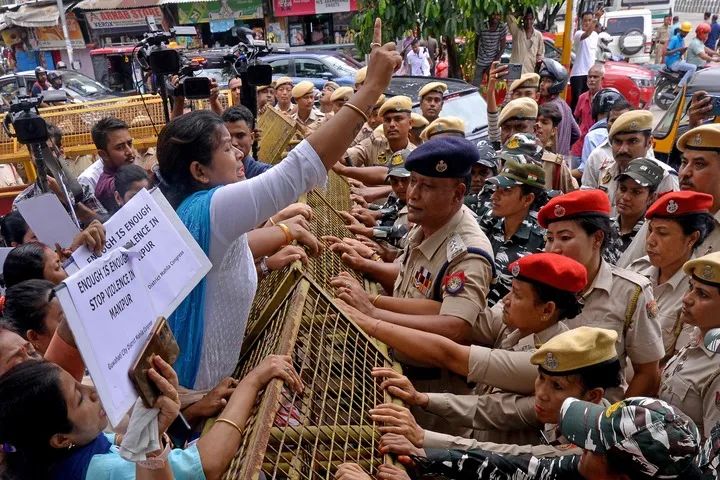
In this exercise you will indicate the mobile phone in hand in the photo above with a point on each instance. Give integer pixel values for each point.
(716, 105)
(162, 343)
(514, 71)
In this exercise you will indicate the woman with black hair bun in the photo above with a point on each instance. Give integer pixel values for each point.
(578, 227)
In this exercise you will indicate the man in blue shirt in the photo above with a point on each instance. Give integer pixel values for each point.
(674, 52)
(712, 39)
(241, 125)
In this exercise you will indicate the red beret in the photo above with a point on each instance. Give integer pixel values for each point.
(677, 204)
(574, 204)
(551, 269)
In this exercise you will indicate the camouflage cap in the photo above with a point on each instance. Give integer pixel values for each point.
(645, 171)
(522, 148)
(712, 340)
(663, 441)
(516, 173)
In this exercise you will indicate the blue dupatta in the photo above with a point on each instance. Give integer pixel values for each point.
(187, 321)
(75, 465)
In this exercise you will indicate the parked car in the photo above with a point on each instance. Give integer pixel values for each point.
(461, 100)
(635, 82)
(630, 33)
(79, 87)
(317, 67)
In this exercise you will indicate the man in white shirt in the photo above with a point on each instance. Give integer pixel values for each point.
(417, 60)
(586, 43)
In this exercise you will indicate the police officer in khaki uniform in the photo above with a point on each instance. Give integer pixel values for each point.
(519, 333)
(360, 77)
(578, 226)
(396, 127)
(699, 172)
(374, 122)
(526, 86)
(691, 379)
(583, 361)
(519, 116)
(445, 269)
(308, 118)
(283, 94)
(444, 126)
(340, 97)
(679, 221)
(417, 125)
(431, 97)
(629, 138)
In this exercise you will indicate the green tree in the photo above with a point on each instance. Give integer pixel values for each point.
(449, 18)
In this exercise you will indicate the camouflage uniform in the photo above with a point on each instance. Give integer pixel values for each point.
(393, 224)
(618, 243)
(529, 238)
(661, 440)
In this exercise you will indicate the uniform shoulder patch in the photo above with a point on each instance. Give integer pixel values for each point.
(630, 276)
(652, 309)
(456, 247)
(552, 157)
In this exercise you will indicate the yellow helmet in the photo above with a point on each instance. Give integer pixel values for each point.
(686, 27)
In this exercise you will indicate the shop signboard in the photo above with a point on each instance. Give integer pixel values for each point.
(121, 19)
(286, 8)
(52, 38)
(204, 12)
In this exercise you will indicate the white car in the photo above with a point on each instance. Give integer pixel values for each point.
(629, 33)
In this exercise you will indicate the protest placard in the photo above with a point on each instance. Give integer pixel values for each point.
(49, 220)
(149, 265)
(165, 255)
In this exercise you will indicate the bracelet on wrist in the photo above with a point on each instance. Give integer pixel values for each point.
(286, 230)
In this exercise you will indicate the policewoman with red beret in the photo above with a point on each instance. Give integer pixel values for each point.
(543, 294)
(691, 378)
(677, 223)
(578, 226)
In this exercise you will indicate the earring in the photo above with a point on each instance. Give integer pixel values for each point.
(71, 446)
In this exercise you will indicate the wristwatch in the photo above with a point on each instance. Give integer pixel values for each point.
(263, 267)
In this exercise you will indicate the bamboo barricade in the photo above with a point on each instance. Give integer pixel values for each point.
(306, 436)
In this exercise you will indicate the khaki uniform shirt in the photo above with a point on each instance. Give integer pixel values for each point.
(691, 382)
(365, 132)
(291, 111)
(608, 184)
(663, 35)
(314, 120)
(668, 297)
(374, 150)
(503, 412)
(609, 304)
(79, 164)
(557, 173)
(424, 257)
(637, 247)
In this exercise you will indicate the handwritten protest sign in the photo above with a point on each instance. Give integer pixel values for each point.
(150, 263)
(164, 258)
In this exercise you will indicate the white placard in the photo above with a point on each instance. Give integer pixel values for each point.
(49, 220)
(168, 261)
(150, 264)
(110, 314)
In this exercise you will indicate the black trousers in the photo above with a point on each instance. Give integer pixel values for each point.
(578, 86)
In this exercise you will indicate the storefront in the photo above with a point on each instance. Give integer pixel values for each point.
(217, 22)
(314, 22)
(121, 27)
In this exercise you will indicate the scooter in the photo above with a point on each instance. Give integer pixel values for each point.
(666, 83)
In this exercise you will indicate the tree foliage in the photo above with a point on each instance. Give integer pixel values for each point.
(449, 18)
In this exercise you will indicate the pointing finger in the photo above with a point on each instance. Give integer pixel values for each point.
(377, 32)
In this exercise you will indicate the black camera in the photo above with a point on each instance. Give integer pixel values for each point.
(193, 88)
(27, 124)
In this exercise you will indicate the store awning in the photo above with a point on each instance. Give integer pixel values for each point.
(31, 17)
(123, 4)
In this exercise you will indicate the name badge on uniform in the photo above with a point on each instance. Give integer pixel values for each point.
(422, 280)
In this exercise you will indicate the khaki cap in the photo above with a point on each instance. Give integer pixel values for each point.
(527, 80)
(342, 93)
(578, 348)
(399, 103)
(704, 137)
(432, 87)
(443, 125)
(302, 89)
(706, 269)
(632, 122)
(520, 108)
(283, 81)
(360, 75)
(418, 121)
(380, 101)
